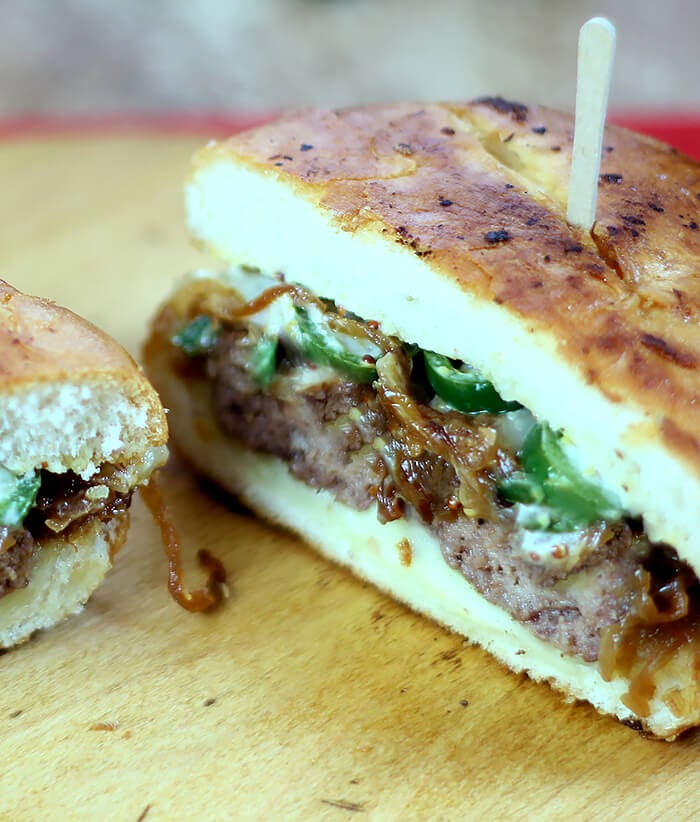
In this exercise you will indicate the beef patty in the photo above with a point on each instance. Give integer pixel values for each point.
(336, 434)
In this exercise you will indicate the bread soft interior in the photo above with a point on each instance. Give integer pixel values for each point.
(71, 425)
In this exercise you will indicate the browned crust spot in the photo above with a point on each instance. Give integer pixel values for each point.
(517, 111)
(657, 344)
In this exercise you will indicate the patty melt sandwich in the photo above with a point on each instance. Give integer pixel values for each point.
(413, 361)
(80, 429)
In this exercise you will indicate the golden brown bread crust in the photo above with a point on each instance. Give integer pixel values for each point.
(41, 343)
(479, 192)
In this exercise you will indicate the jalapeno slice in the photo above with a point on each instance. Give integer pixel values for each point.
(521, 487)
(321, 346)
(464, 390)
(198, 337)
(549, 480)
(17, 495)
(541, 455)
(263, 362)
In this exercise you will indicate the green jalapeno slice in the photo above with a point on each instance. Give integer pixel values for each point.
(549, 480)
(17, 495)
(464, 390)
(263, 362)
(198, 337)
(322, 346)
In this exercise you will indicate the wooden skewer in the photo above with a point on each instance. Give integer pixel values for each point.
(596, 50)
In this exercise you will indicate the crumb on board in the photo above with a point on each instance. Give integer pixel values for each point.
(104, 726)
(345, 805)
(405, 552)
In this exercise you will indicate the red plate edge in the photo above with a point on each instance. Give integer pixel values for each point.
(214, 124)
(680, 129)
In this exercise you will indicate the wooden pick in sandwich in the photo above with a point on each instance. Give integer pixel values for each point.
(596, 50)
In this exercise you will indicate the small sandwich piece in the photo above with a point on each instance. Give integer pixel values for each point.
(80, 429)
(416, 364)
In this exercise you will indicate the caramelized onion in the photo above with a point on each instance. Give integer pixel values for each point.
(228, 307)
(468, 448)
(663, 620)
(390, 506)
(76, 508)
(195, 601)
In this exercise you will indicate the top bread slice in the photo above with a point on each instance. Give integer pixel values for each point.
(446, 223)
(71, 398)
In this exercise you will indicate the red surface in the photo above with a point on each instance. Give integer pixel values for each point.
(32, 126)
(680, 129)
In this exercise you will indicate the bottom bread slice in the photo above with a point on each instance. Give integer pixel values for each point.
(66, 571)
(377, 553)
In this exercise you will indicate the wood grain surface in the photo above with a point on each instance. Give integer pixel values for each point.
(308, 695)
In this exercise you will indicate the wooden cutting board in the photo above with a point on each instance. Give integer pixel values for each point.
(309, 695)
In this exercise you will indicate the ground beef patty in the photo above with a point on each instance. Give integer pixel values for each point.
(311, 429)
(327, 434)
(16, 555)
(569, 612)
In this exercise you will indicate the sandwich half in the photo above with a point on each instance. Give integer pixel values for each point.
(414, 362)
(80, 429)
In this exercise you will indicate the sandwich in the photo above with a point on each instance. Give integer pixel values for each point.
(408, 357)
(80, 429)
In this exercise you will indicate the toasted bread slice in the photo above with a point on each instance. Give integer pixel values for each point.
(76, 412)
(446, 225)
